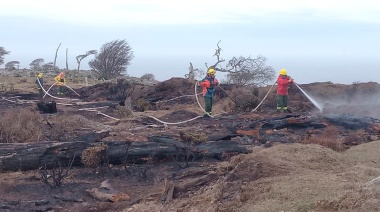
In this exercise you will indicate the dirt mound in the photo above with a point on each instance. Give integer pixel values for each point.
(291, 178)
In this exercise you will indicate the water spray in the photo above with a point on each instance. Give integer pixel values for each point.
(315, 103)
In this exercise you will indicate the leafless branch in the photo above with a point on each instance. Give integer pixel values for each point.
(81, 57)
(243, 70)
(217, 54)
(57, 174)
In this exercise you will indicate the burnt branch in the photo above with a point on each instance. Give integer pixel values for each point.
(54, 177)
(217, 55)
(125, 157)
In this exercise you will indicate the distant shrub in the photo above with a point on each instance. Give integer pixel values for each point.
(165, 86)
(149, 77)
(142, 105)
(246, 99)
(255, 91)
(246, 102)
(123, 112)
(17, 75)
(193, 138)
(227, 105)
(119, 91)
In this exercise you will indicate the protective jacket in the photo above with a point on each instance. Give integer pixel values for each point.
(41, 82)
(60, 80)
(208, 84)
(283, 85)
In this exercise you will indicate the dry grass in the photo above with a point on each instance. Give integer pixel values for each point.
(292, 177)
(21, 125)
(329, 138)
(63, 126)
(123, 112)
(93, 156)
(193, 138)
(226, 105)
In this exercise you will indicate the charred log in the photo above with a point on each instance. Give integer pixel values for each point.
(16, 156)
(294, 122)
(351, 121)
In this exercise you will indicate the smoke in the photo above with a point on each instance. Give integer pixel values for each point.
(361, 99)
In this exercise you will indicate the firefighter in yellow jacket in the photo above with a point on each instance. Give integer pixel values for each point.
(61, 81)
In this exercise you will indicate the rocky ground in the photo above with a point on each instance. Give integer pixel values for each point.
(240, 160)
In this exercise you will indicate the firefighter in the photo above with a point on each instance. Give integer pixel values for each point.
(61, 81)
(40, 84)
(208, 84)
(283, 82)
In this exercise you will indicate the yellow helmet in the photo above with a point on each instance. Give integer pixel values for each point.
(211, 71)
(39, 75)
(283, 72)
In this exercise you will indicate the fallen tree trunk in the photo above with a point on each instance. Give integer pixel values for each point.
(20, 156)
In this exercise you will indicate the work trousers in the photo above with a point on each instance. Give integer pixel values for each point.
(282, 102)
(208, 104)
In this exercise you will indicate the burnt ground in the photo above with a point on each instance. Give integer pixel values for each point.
(285, 149)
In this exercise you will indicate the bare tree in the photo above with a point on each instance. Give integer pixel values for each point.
(194, 73)
(56, 53)
(12, 65)
(67, 63)
(244, 70)
(2, 53)
(36, 64)
(113, 59)
(82, 56)
(248, 71)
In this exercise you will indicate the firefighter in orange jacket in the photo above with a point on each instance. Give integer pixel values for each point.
(61, 81)
(283, 82)
(208, 84)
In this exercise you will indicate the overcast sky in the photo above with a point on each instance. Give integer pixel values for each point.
(316, 41)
